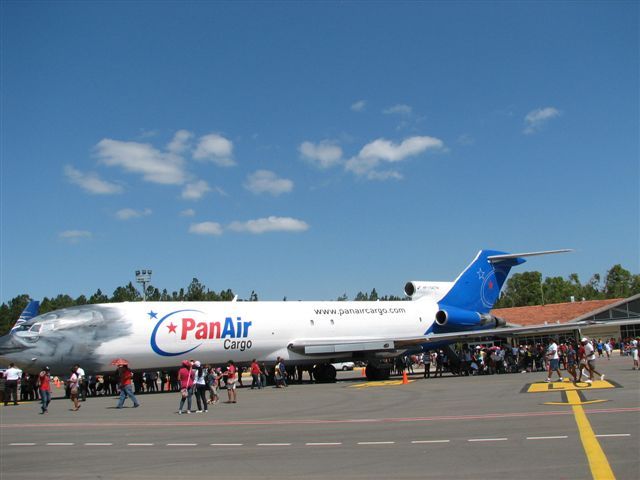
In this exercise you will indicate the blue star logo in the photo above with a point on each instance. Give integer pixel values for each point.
(152, 314)
(480, 274)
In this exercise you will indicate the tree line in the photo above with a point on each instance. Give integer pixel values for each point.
(521, 289)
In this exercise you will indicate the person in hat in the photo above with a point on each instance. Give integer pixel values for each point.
(125, 376)
(590, 356)
(201, 386)
(44, 386)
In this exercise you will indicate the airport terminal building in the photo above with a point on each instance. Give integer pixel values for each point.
(617, 318)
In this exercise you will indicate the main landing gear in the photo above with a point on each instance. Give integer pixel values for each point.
(324, 373)
(380, 371)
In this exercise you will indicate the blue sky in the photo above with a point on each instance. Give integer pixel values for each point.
(307, 149)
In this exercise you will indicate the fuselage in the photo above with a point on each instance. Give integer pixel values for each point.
(162, 334)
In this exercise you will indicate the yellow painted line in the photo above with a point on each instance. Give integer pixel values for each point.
(598, 463)
(567, 386)
(383, 383)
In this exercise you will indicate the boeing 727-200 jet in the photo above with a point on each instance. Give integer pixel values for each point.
(159, 335)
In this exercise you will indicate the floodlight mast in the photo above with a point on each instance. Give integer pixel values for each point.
(143, 277)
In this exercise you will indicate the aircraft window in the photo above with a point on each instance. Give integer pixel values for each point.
(35, 328)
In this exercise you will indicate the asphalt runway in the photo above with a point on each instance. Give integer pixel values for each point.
(444, 428)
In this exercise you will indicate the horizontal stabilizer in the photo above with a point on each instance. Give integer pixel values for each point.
(511, 256)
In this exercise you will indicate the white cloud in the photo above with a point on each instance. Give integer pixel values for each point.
(399, 109)
(358, 106)
(215, 148)
(91, 182)
(195, 190)
(325, 154)
(129, 213)
(270, 224)
(75, 236)
(372, 155)
(154, 166)
(180, 141)
(206, 228)
(535, 119)
(189, 212)
(265, 181)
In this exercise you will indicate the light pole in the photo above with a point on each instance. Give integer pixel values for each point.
(143, 277)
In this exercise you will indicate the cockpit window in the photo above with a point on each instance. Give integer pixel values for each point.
(36, 328)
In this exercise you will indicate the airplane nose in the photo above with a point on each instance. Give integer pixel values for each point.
(9, 345)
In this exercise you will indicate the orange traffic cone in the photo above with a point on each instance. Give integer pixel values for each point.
(363, 372)
(405, 379)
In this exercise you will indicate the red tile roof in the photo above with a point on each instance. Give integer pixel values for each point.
(552, 313)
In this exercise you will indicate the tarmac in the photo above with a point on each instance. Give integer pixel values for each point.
(494, 426)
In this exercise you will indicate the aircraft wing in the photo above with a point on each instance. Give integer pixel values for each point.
(381, 344)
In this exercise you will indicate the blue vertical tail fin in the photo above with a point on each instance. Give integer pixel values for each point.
(31, 310)
(478, 287)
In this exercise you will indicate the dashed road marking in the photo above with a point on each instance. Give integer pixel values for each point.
(376, 443)
(273, 444)
(431, 441)
(140, 444)
(547, 438)
(22, 444)
(322, 444)
(98, 444)
(614, 435)
(226, 444)
(60, 444)
(182, 444)
(487, 439)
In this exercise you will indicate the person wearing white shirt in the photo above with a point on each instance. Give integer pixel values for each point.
(12, 376)
(634, 353)
(553, 361)
(590, 354)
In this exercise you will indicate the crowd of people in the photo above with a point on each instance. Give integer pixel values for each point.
(205, 382)
(521, 358)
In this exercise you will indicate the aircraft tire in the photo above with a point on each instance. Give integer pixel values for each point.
(325, 373)
(374, 373)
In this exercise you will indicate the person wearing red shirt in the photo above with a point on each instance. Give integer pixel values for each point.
(126, 388)
(186, 376)
(255, 375)
(231, 377)
(44, 381)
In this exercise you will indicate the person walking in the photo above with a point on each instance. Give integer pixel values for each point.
(44, 387)
(634, 353)
(553, 361)
(590, 355)
(126, 387)
(186, 378)
(255, 375)
(74, 386)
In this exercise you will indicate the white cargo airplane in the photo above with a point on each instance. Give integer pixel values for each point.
(158, 335)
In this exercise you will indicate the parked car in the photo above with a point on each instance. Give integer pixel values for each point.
(344, 366)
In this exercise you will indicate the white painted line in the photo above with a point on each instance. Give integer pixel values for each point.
(322, 444)
(547, 438)
(182, 444)
(22, 444)
(56, 444)
(226, 444)
(487, 439)
(140, 444)
(98, 444)
(615, 435)
(376, 443)
(274, 444)
(431, 441)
